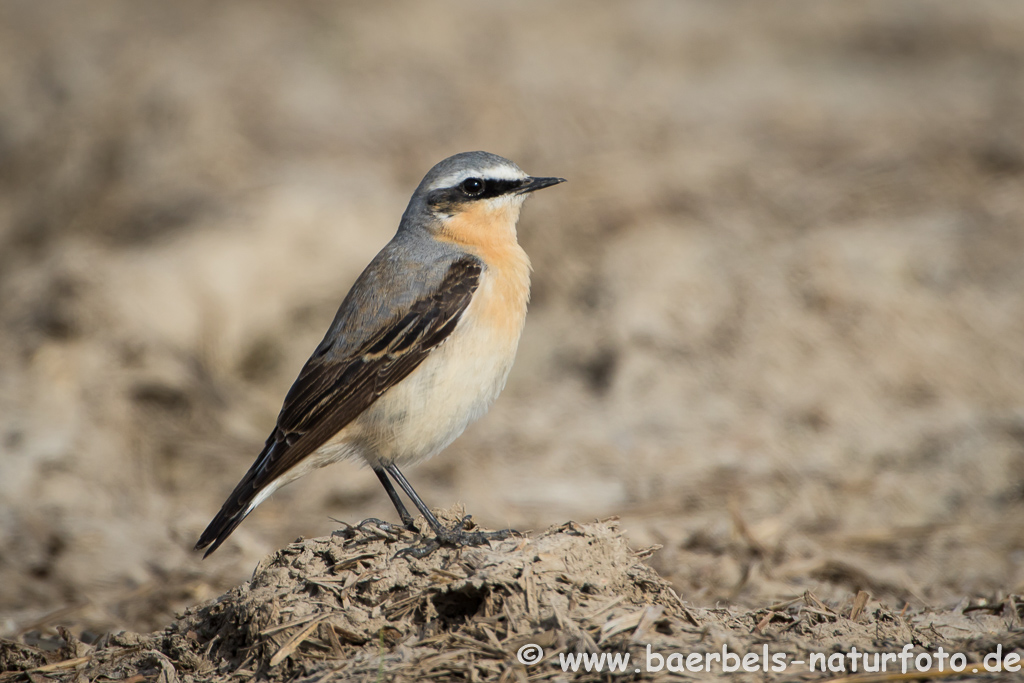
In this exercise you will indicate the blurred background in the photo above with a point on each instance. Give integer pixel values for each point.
(778, 310)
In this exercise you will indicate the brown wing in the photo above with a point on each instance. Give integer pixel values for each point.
(329, 393)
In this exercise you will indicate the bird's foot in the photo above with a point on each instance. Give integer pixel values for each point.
(381, 529)
(459, 536)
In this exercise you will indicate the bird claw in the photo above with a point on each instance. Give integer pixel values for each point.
(380, 528)
(418, 552)
(458, 536)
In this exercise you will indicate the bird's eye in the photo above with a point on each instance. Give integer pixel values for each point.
(472, 186)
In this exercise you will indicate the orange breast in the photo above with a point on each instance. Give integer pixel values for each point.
(488, 231)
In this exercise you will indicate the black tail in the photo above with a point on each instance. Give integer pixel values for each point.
(231, 514)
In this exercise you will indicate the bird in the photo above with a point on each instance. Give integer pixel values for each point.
(420, 347)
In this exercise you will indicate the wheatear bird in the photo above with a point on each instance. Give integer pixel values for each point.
(419, 349)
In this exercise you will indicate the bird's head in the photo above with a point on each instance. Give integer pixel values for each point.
(471, 195)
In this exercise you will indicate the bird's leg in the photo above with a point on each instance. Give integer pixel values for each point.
(407, 520)
(456, 535)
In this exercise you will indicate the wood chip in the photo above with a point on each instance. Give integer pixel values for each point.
(811, 600)
(607, 606)
(648, 618)
(763, 624)
(859, 603)
(615, 626)
(291, 624)
(60, 666)
(530, 584)
(293, 644)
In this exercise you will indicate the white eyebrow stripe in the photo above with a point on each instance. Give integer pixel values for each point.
(502, 172)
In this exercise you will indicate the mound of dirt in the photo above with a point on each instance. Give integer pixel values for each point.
(354, 606)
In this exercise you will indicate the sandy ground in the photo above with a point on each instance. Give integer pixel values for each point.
(778, 314)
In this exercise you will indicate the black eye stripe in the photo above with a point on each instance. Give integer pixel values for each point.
(493, 187)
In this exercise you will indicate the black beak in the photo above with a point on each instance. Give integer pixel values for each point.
(533, 184)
